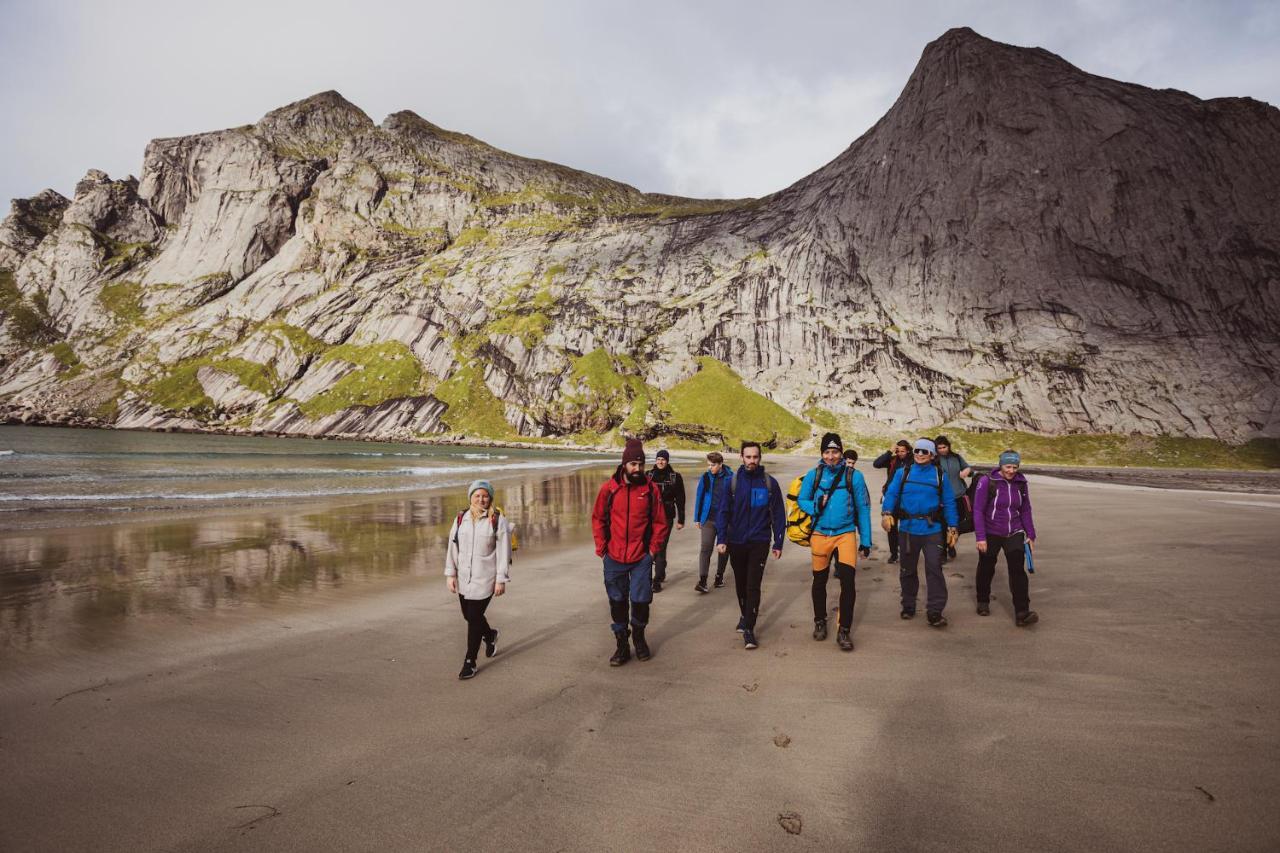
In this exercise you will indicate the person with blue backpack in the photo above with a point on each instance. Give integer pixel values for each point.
(920, 498)
(835, 496)
(1002, 522)
(751, 519)
(712, 487)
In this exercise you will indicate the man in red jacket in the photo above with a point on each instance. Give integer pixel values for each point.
(629, 525)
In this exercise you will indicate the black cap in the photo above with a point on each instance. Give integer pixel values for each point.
(831, 440)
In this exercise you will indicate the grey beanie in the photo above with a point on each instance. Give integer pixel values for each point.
(480, 484)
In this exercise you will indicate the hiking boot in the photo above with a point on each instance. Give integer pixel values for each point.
(936, 620)
(491, 643)
(820, 629)
(719, 581)
(907, 614)
(843, 641)
(468, 670)
(642, 648)
(749, 640)
(742, 625)
(984, 609)
(623, 654)
(893, 558)
(701, 586)
(1028, 618)
(951, 551)
(657, 586)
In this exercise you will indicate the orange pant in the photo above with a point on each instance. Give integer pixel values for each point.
(844, 546)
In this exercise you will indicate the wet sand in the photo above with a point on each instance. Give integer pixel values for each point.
(1141, 713)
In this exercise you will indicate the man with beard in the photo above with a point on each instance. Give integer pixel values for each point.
(671, 486)
(628, 522)
(750, 518)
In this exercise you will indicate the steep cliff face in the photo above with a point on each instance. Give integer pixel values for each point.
(1016, 244)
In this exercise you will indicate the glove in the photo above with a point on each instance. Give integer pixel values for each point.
(864, 551)
(952, 536)
(886, 523)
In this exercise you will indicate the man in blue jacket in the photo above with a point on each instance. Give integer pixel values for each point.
(920, 498)
(836, 497)
(752, 516)
(712, 487)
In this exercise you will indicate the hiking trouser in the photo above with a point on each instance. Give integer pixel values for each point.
(893, 540)
(708, 547)
(630, 589)
(844, 549)
(477, 626)
(748, 562)
(1015, 559)
(660, 555)
(913, 546)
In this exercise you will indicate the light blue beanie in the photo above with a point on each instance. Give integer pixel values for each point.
(1010, 457)
(480, 484)
(926, 444)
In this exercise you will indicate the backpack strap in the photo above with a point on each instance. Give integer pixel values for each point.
(608, 510)
(457, 523)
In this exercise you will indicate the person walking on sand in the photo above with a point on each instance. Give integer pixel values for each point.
(956, 470)
(835, 495)
(1002, 522)
(752, 517)
(712, 488)
(892, 459)
(671, 486)
(628, 522)
(919, 498)
(477, 568)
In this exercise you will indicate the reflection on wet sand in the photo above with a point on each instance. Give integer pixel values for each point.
(82, 587)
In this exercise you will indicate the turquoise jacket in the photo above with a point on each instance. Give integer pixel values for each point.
(844, 512)
(918, 496)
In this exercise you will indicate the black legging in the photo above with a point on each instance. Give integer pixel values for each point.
(848, 594)
(477, 626)
(1015, 558)
(748, 562)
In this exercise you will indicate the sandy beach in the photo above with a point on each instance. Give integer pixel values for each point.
(1141, 713)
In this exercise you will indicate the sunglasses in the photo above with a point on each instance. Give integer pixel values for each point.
(920, 452)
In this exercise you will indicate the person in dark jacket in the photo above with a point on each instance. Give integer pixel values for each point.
(955, 469)
(628, 522)
(712, 487)
(1002, 522)
(891, 460)
(752, 518)
(919, 498)
(671, 485)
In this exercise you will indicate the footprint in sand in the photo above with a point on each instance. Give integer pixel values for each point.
(752, 687)
(878, 580)
(782, 741)
(790, 821)
(956, 575)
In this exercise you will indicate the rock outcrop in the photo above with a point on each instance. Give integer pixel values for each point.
(1016, 244)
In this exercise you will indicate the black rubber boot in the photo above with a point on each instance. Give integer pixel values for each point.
(642, 648)
(623, 654)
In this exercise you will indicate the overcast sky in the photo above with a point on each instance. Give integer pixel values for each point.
(722, 99)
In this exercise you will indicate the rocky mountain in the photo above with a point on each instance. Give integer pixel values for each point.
(1016, 244)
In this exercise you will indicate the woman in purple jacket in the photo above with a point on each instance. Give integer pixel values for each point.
(1002, 522)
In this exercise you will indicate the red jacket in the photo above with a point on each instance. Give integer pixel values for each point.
(632, 510)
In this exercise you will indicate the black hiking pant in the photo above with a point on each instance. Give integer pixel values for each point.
(848, 595)
(477, 626)
(1015, 558)
(748, 562)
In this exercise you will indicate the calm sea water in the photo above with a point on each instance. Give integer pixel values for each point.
(102, 531)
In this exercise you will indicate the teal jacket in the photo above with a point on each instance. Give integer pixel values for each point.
(918, 496)
(844, 512)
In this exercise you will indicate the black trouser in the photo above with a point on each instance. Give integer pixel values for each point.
(1015, 558)
(913, 546)
(660, 558)
(893, 540)
(477, 626)
(848, 594)
(748, 562)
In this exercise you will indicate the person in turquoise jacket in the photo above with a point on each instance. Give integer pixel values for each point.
(835, 496)
(920, 498)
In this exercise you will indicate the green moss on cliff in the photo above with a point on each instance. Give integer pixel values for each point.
(123, 299)
(1116, 450)
(299, 339)
(29, 321)
(385, 371)
(473, 409)
(716, 398)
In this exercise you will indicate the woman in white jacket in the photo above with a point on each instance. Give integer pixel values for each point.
(476, 568)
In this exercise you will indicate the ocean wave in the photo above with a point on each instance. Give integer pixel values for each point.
(8, 452)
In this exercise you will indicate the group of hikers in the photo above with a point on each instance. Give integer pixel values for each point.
(744, 519)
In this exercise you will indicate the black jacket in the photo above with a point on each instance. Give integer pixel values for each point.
(671, 484)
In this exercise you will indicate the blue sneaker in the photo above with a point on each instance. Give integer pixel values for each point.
(749, 640)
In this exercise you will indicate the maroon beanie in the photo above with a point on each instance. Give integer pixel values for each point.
(634, 451)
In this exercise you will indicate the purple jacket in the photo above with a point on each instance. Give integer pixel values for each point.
(1002, 507)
